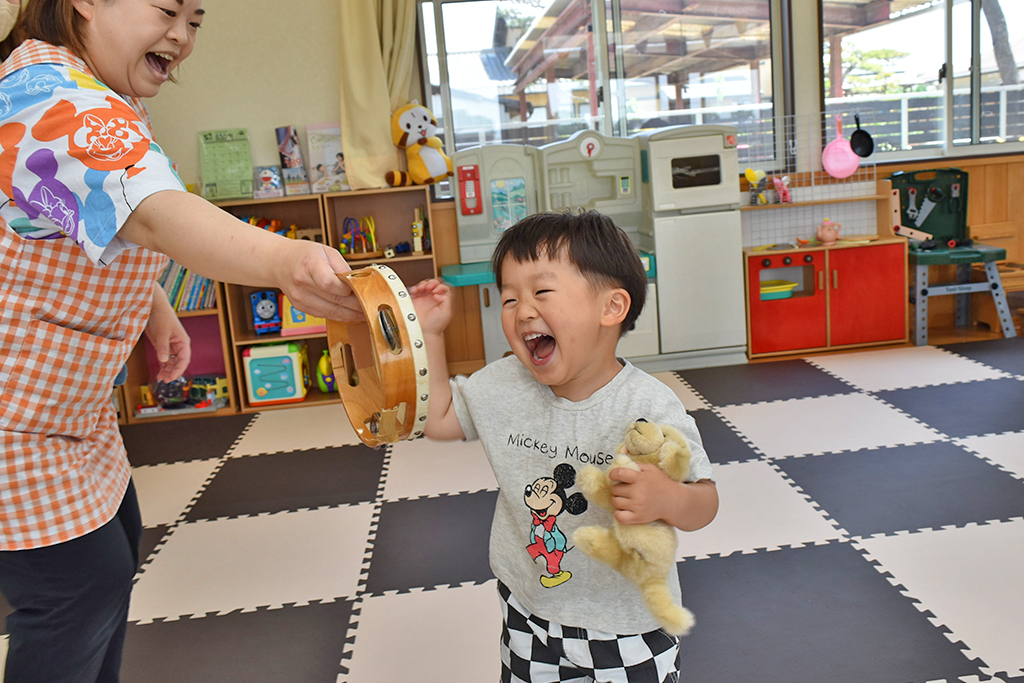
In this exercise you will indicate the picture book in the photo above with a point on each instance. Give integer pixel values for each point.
(326, 160)
(293, 169)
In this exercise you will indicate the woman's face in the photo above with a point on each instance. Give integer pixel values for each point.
(132, 45)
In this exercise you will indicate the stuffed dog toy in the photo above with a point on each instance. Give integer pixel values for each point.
(643, 553)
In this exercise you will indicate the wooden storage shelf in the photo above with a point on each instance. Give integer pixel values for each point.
(199, 313)
(218, 358)
(393, 210)
(425, 256)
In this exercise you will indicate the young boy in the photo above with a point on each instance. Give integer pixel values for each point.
(571, 285)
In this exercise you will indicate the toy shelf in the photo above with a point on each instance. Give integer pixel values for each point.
(390, 262)
(199, 313)
(816, 202)
(211, 354)
(393, 210)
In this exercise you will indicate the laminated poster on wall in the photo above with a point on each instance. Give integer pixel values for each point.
(226, 163)
(293, 168)
(326, 160)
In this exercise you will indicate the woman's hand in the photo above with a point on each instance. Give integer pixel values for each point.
(166, 334)
(311, 283)
(433, 302)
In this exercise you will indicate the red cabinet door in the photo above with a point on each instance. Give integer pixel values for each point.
(789, 324)
(868, 295)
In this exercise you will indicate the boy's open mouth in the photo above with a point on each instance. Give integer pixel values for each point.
(540, 346)
(159, 61)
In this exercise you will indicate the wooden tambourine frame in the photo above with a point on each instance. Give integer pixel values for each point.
(380, 363)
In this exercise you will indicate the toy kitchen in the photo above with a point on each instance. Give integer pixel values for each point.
(675, 191)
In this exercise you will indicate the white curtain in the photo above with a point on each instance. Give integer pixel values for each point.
(378, 65)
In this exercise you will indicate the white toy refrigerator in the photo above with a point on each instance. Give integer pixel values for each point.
(690, 186)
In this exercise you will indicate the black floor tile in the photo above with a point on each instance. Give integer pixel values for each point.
(432, 542)
(1003, 354)
(151, 538)
(289, 481)
(907, 488)
(966, 409)
(808, 615)
(266, 646)
(756, 382)
(720, 441)
(181, 440)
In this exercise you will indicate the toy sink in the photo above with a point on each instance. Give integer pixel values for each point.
(776, 289)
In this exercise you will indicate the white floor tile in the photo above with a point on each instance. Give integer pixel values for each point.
(904, 367)
(970, 579)
(271, 559)
(166, 490)
(449, 635)
(691, 401)
(825, 424)
(1005, 450)
(757, 509)
(297, 429)
(425, 468)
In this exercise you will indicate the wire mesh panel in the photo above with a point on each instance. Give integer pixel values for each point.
(784, 156)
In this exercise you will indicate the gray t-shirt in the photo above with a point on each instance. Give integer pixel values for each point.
(536, 443)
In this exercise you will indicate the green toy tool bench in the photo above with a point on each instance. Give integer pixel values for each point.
(935, 202)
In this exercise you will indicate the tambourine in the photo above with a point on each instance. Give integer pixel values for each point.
(380, 363)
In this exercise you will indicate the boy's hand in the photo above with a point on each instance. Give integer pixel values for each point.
(311, 284)
(433, 302)
(641, 497)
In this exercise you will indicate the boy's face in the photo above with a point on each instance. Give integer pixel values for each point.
(560, 326)
(133, 45)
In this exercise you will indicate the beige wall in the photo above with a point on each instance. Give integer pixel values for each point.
(258, 64)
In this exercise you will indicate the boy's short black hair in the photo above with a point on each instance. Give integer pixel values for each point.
(592, 243)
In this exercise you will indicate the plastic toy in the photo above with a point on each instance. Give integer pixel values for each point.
(389, 252)
(414, 129)
(209, 387)
(265, 315)
(174, 393)
(294, 321)
(359, 239)
(417, 233)
(325, 374)
(828, 232)
(276, 373)
(758, 180)
(838, 159)
(380, 364)
(781, 185)
(643, 553)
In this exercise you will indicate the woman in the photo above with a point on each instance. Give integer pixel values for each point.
(91, 206)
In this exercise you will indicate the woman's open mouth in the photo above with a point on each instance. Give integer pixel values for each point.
(160, 62)
(540, 346)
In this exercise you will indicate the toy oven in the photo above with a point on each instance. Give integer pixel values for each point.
(693, 172)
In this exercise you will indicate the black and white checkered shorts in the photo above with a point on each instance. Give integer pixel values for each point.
(534, 650)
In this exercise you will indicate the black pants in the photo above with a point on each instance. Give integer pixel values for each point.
(71, 603)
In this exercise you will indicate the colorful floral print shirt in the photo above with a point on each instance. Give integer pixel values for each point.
(75, 160)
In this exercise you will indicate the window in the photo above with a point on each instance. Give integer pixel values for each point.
(536, 71)
(678, 64)
(905, 67)
(515, 73)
